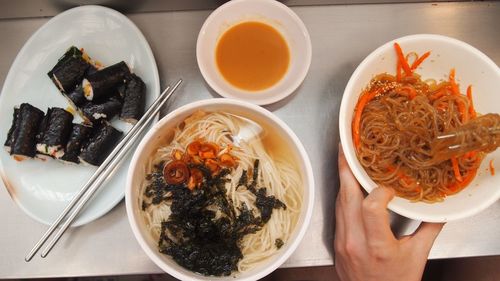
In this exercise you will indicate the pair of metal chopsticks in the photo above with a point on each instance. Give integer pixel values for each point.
(102, 173)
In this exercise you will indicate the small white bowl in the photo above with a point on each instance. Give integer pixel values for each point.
(472, 67)
(155, 137)
(272, 13)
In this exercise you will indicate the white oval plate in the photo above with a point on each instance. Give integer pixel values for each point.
(43, 188)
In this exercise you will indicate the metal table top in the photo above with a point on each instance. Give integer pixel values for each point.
(342, 35)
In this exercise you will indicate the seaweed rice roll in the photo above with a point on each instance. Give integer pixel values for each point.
(80, 134)
(102, 84)
(76, 98)
(134, 99)
(55, 132)
(100, 145)
(104, 111)
(69, 70)
(23, 137)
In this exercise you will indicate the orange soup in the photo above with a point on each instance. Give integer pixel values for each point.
(252, 56)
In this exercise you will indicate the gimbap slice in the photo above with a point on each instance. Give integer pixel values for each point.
(69, 70)
(53, 139)
(104, 82)
(134, 99)
(93, 112)
(80, 134)
(10, 134)
(23, 140)
(99, 146)
(39, 136)
(76, 97)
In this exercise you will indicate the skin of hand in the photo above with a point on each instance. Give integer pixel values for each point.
(365, 247)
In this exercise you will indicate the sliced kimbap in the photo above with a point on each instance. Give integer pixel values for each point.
(52, 140)
(80, 134)
(23, 138)
(76, 98)
(134, 99)
(93, 112)
(103, 83)
(100, 145)
(69, 70)
(8, 141)
(39, 136)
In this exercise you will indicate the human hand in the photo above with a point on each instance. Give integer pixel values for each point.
(365, 247)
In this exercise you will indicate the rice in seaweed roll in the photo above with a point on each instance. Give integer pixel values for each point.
(79, 136)
(23, 137)
(134, 99)
(103, 111)
(103, 83)
(100, 145)
(54, 133)
(69, 70)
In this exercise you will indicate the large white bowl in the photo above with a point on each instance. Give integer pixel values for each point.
(270, 12)
(472, 67)
(156, 136)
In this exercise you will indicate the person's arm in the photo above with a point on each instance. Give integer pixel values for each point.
(365, 247)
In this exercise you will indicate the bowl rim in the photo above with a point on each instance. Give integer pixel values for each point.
(350, 154)
(308, 183)
(270, 97)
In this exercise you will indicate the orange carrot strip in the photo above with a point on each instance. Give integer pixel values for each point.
(472, 111)
(363, 100)
(454, 86)
(492, 168)
(460, 185)
(419, 61)
(456, 169)
(401, 58)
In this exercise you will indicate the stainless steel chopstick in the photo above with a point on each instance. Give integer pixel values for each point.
(101, 174)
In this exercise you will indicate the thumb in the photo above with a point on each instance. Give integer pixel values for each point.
(424, 236)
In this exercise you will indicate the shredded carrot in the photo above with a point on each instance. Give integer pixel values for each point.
(419, 61)
(454, 86)
(401, 58)
(456, 169)
(470, 154)
(492, 168)
(467, 179)
(472, 111)
(363, 100)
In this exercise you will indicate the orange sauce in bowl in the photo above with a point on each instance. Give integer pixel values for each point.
(252, 56)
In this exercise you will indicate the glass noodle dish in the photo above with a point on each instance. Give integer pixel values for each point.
(396, 120)
(215, 206)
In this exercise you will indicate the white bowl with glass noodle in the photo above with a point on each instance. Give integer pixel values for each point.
(271, 13)
(472, 68)
(285, 171)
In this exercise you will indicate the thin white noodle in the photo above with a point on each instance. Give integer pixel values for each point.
(280, 177)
